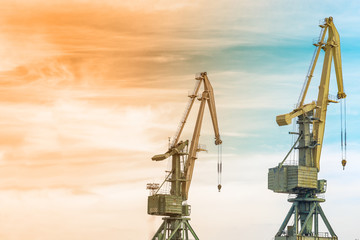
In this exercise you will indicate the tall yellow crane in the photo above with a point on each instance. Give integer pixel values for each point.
(302, 179)
(173, 205)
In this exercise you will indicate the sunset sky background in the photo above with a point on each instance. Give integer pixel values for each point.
(91, 90)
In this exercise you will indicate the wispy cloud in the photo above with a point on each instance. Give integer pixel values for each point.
(90, 90)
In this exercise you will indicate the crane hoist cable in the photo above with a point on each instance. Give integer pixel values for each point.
(219, 166)
(345, 124)
(343, 131)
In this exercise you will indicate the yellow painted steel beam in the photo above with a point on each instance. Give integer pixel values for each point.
(207, 97)
(332, 52)
(286, 119)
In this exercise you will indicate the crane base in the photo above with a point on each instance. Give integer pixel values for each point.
(305, 238)
(306, 211)
(175, 228)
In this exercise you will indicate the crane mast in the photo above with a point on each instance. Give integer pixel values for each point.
(302, 179)
(173, 205)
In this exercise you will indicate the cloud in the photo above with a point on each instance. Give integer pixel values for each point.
(90, 90)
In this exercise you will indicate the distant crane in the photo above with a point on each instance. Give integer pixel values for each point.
(301, 179)
(173, 205)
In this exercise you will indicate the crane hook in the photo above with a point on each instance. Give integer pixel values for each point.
(343, 163)
(219, 187)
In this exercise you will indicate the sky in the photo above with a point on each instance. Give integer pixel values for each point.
(91, 90)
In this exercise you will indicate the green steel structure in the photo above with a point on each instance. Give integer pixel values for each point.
(300, 180)
(176, 224)
(173, 204)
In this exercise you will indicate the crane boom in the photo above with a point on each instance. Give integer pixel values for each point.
(207, 96)
(212, 109)
(332, 52)
(186, 113)
(313, 64)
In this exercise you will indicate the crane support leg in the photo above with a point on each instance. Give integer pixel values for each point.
(191, 230)
(322, 214)
(285, 222)
(175, 228)
(158, 234)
